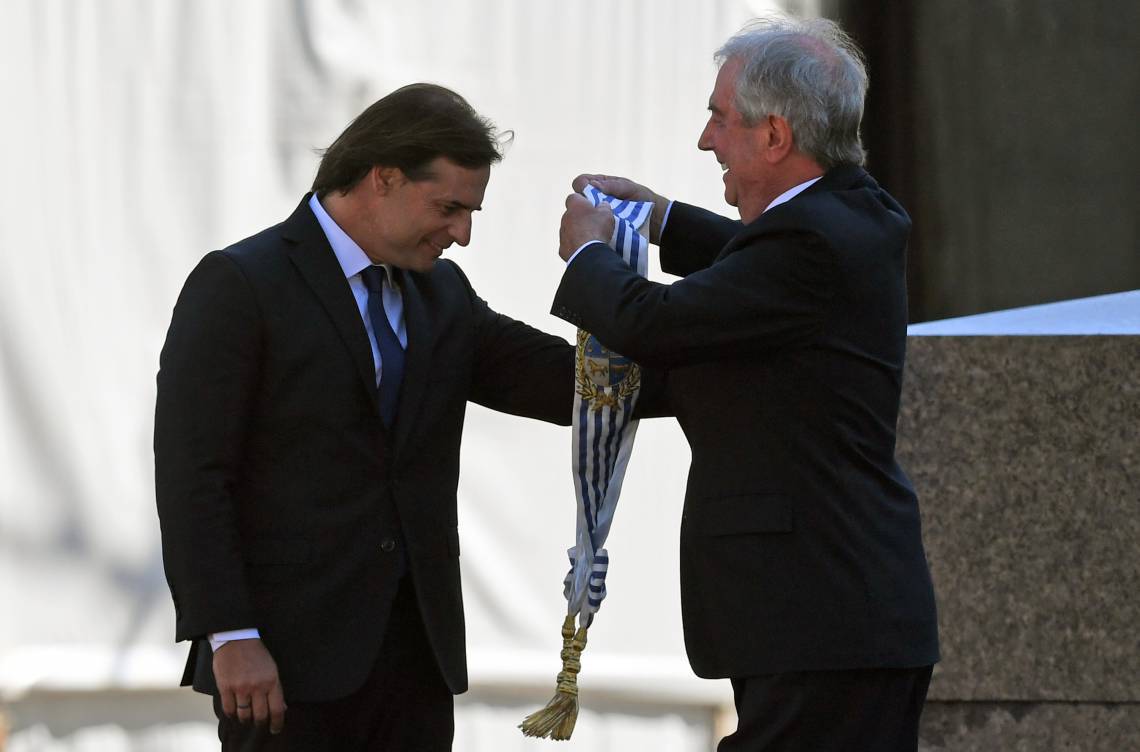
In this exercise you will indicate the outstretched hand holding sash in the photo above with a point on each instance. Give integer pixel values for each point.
(606, 391)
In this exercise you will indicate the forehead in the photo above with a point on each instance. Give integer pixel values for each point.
(452, 183)
(724, 90)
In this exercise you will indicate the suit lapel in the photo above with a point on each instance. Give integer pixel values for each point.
(420, 339)
(311, 253)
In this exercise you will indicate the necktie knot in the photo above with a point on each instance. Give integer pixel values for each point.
(374, 276)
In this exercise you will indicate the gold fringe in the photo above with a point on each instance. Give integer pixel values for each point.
(557, 719)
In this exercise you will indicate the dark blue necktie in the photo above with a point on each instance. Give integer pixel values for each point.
(391, 353)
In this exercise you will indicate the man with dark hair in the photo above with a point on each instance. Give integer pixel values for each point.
(803, 576)
(311, 395)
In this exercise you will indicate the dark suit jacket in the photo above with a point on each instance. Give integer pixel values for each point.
(279, 490)
(783, 353)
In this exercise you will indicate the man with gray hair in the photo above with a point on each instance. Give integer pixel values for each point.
(803, 575)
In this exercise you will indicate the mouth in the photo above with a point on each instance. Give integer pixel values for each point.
(723, 166)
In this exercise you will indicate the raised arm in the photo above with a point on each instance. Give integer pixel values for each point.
(770, 293)
(693, 238)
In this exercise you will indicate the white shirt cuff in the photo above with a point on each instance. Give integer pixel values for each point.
(574, 255)
(217, 639)
(665, 219)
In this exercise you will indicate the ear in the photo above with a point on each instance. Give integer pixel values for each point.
(383, 180)
(777, 141)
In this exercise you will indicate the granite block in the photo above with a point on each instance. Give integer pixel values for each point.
(1025, 453)
(1029, 727)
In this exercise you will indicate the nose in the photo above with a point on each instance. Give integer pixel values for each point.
(705, 142)
(460, 229)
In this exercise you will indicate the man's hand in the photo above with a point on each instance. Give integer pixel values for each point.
(248, 686)
(582, 223)
(627, 189)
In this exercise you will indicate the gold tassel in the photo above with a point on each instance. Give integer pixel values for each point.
(557, 719)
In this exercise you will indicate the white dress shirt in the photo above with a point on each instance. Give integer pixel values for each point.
(353, 260)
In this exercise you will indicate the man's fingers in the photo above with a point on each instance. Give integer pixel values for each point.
(244, 708)
(276, 702)
(576, 200)
(260, 708)
(601, 182)
(582, 181)
(606, 184)
(229, 704)
(610, 184)
(603, 214)
(615, 186)
(246, 675)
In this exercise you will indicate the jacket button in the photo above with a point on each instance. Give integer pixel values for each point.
(388, 545)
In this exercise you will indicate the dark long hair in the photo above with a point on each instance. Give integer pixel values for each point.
(408, 129)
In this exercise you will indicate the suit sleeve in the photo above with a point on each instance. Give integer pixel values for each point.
(653, 399)
(519, 369)
(207, 377)
(770, 293)
(693, 238)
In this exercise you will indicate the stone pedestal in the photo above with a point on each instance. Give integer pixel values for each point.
(1025, 452)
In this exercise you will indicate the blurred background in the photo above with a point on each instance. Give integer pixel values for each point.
(137, 135)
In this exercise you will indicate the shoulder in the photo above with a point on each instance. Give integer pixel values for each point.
(259, 265)
(264, 247)
(445, 277)
(271, 246)
(846, 207)
(448, 270)
(246, 270)
(238, 270)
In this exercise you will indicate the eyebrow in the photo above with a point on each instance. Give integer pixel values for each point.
(460, 205)
(714, 109)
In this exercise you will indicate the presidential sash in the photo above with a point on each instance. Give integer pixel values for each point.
(606, 391)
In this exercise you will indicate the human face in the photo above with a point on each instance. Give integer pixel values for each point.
(415, 221)
(737, 146)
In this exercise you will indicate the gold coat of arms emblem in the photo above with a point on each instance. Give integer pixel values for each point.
(604, 377)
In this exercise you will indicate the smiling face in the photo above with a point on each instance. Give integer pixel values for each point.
(410, 223)
(739, 148)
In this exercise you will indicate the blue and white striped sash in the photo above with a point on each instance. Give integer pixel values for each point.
(607, 389)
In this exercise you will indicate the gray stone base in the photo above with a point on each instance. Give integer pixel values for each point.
(1030, 727)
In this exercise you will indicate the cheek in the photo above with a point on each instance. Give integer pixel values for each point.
(413, 229)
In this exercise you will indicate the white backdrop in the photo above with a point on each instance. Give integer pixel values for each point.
(137, 135)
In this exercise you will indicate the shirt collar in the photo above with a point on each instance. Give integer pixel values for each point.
(792, 192)
(351, 256)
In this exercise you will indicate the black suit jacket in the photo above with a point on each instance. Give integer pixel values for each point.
(783, 352)
(279, 490)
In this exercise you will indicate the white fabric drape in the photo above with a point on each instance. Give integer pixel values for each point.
(137, 135)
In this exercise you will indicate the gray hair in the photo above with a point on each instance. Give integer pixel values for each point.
(808, 72)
